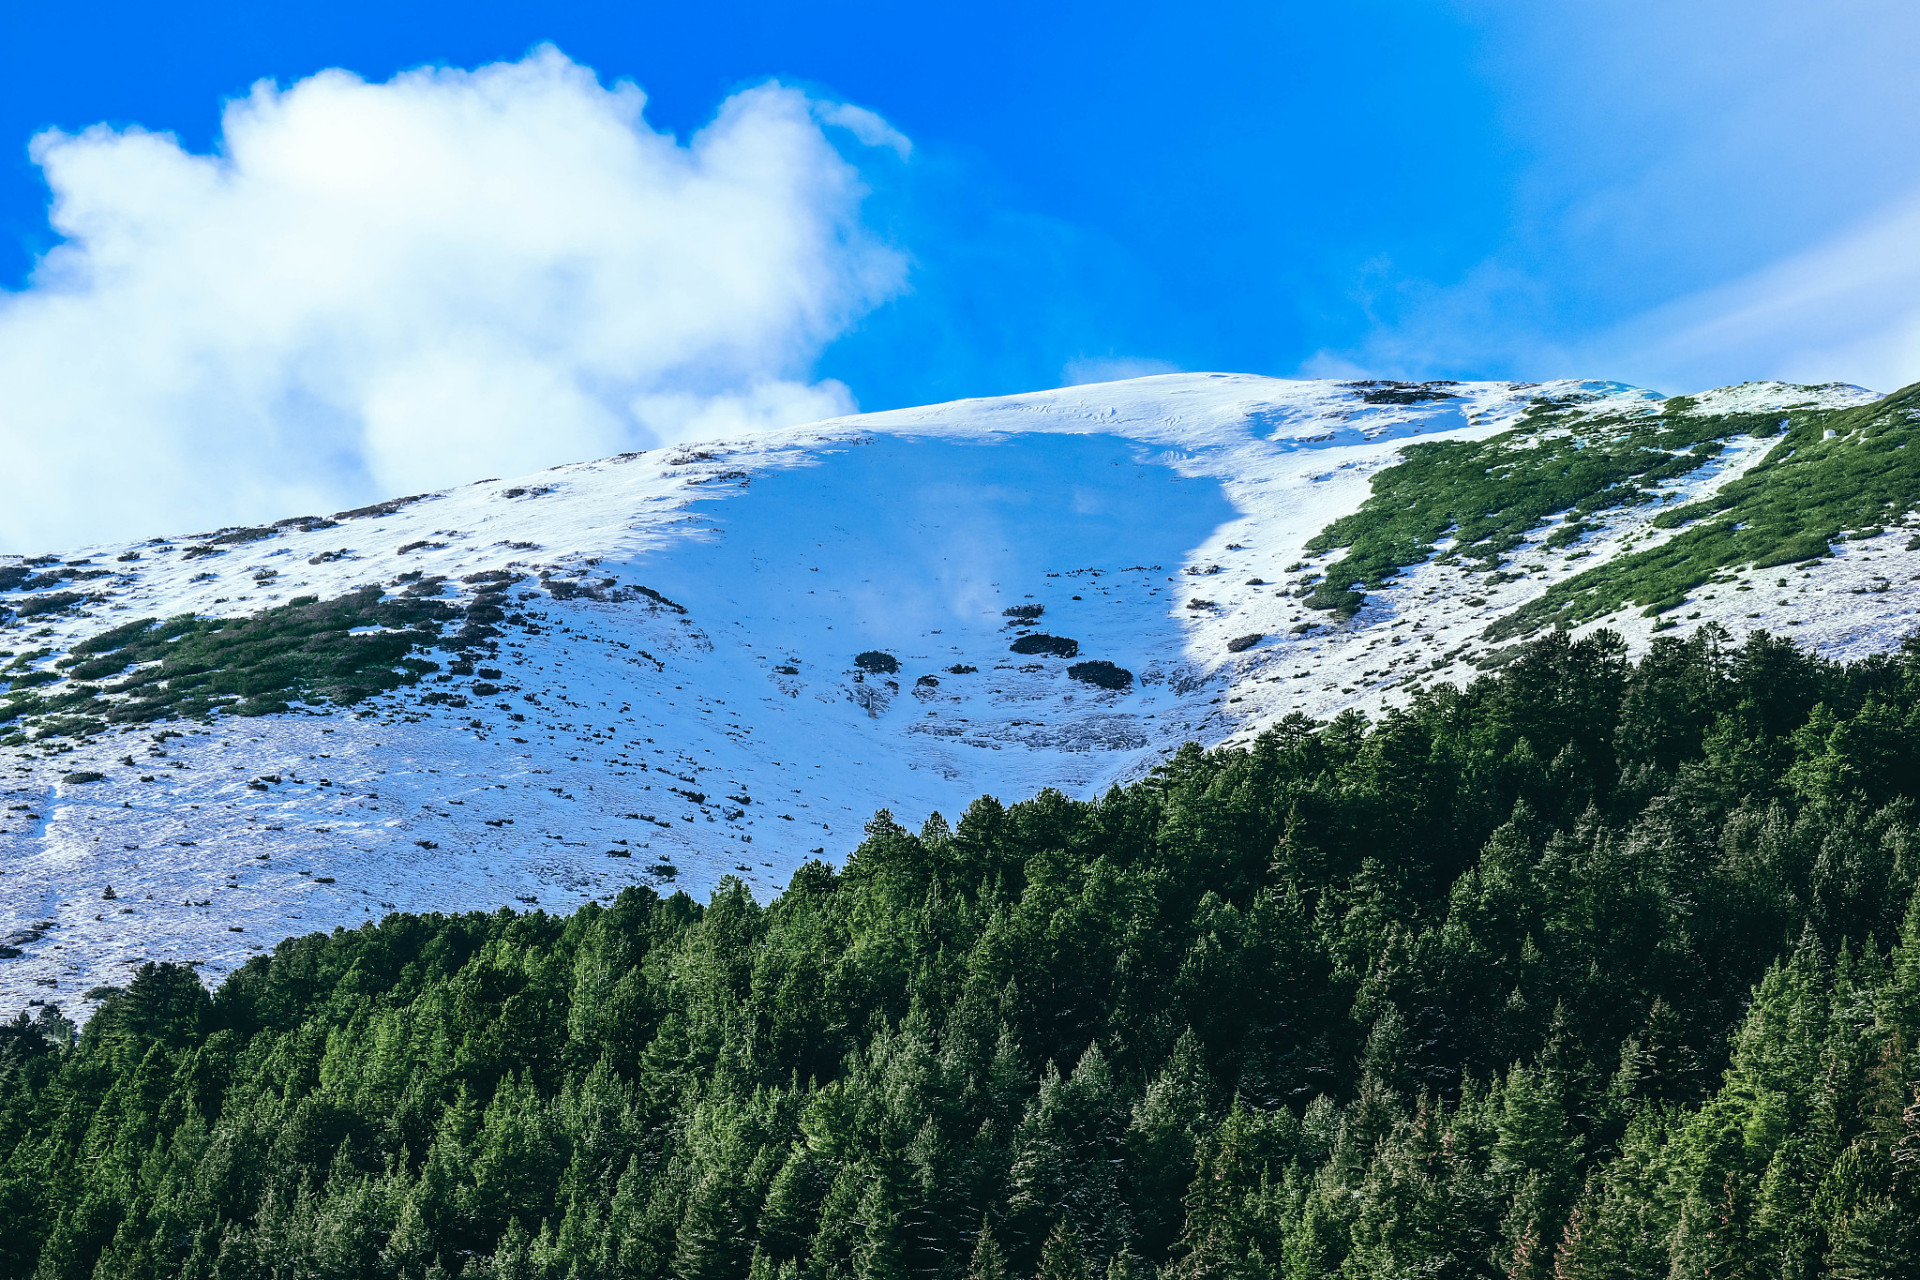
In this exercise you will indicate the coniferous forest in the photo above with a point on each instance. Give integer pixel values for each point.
(1596, 968)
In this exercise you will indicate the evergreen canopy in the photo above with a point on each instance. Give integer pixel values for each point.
(1595, 968)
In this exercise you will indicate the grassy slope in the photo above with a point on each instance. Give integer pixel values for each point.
(192, 667)
(1836, 472)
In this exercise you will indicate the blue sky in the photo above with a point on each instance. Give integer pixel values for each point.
(1479, 189)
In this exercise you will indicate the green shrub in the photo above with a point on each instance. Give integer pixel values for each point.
(1101, 674)
(1052, 646)
(54, 602)
(232, 537)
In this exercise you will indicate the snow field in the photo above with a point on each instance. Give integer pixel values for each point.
(716, 723)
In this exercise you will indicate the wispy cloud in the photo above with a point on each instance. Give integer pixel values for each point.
(377, 288)
(1087, 369)
(1847, 309)
(1704, 193)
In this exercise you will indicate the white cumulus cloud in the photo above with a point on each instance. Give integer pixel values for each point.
(372, 289)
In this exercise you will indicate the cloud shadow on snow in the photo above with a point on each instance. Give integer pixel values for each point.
(881, 544)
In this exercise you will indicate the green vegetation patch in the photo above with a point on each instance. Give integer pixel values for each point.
(1101, 674)
(1052, 646)
(1487, 495)
(192, 667)
(1838, 474)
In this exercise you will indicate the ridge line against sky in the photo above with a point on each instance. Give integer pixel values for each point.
(875, 210)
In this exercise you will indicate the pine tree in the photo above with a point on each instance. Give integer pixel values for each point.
(1061, 1258)
(1163, 1134)
(881, 1253)
(787, 1216)
(987, 1263)
(710, 1238)
(1537, 1153)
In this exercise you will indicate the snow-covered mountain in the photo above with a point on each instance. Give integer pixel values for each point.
(675, 666)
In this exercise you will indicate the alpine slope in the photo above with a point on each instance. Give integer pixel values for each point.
(723, 659)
